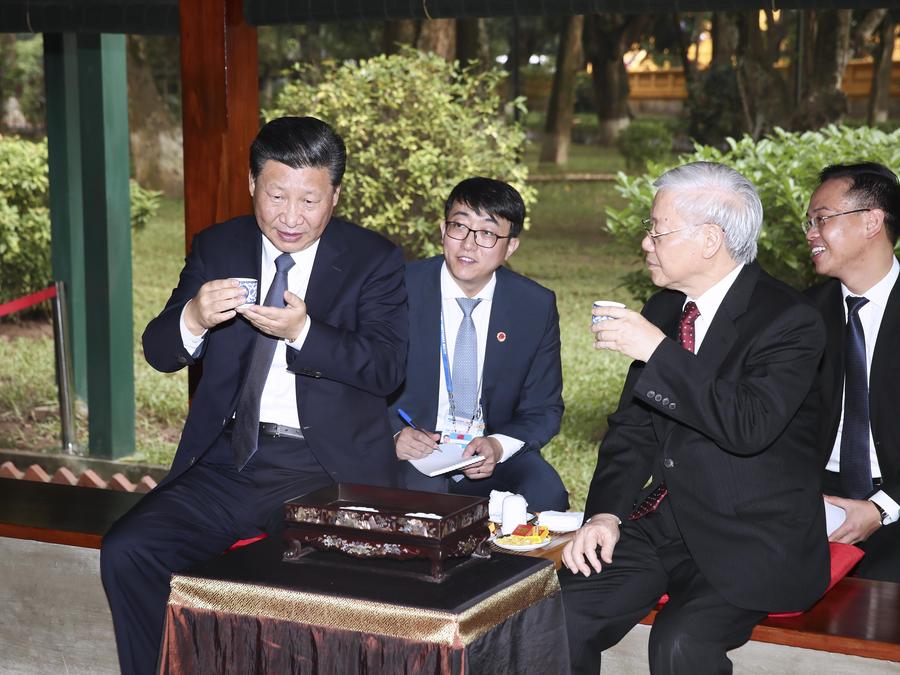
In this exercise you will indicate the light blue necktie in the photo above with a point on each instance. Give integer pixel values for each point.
(465, 362)
(856, 465)
(245, 436)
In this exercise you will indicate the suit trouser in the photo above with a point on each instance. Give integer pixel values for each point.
(188, 521)
(691, 633)
(526, 473)
(882, 558)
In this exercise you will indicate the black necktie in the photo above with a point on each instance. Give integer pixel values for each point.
(856, 466)
(245, 435)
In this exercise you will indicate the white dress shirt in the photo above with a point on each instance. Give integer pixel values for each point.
(278, 403)
(870, 315)
(708, 304)
(481, 317)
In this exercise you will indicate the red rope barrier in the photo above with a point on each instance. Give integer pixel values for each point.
(27, 301)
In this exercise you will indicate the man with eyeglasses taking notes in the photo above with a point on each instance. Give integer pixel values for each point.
(851, 229)
(484, 355)
(707, 486)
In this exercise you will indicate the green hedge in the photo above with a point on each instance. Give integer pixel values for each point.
(784, 167)
(25, 216)
(414, 126)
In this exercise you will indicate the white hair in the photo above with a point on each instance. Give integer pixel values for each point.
(708, 192)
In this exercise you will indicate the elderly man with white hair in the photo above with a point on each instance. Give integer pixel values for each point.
(707, 486)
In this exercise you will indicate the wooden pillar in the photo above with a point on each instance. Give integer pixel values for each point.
(220, 108)
(103, 112)
(64, 164)
(220, 115)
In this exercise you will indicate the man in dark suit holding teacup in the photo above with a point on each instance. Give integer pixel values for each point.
(707, 486)
(292, 395)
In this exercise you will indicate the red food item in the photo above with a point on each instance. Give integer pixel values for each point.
(526, 531)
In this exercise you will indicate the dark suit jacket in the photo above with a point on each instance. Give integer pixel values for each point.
(522, 378)
(352, 358)
(883, 378)
(732, 431)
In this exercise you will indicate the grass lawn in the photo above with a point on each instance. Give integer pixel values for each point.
(565, 249)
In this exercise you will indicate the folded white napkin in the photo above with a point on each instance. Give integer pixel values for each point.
(495, 505)
(561, 521)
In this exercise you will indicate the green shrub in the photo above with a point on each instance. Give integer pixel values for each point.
(784, 167)
(25, 216)
(144, 205)
(414, 126)
(643, 141)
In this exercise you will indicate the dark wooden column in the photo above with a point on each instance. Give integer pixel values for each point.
(220, 115)
(220, 108)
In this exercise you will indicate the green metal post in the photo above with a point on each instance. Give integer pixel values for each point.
(64, 149)
(107, 243)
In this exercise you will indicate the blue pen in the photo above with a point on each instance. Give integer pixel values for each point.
(406, 418)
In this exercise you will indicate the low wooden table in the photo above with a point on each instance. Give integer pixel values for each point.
(250, 612)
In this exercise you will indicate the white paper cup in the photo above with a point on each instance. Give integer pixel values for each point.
(515, 513)
(604, 303)
(250, 285)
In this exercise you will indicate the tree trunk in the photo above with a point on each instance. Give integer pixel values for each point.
(7, 90)
(155, 134)
(398, 32)
(560, 107)
(725, 38)
(684, 45)
(880, 95)
(439, 36)
(823, 101)
(764, 92)
(472, 43)
(604, 46)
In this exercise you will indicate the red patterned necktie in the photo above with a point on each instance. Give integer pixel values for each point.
(686, 336)
(686, 326)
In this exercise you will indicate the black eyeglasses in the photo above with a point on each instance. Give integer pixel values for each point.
(818, 222)
(483, 238)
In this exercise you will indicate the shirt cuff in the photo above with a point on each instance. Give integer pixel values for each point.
(509, 444)
(890, 507)
(298, 343)
(190, 341)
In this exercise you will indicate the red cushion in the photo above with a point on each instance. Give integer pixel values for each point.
(843, 559)
(246, 542)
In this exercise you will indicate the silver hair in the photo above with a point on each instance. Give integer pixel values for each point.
(708, 192)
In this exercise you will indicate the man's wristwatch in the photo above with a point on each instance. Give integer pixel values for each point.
(882, 514)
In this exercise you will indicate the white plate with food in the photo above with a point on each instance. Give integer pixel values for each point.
(521, 548)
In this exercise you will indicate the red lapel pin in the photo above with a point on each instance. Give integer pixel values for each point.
(501, 336)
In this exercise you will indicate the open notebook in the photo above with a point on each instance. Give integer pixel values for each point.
(448, 457)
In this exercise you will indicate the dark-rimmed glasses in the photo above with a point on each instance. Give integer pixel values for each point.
(483, 238)
(818, 222)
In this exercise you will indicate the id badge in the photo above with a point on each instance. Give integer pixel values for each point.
(461, 432)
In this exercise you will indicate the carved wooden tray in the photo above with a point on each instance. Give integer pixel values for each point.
(365, 521)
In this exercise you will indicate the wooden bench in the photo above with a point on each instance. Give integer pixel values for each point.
(60, 514)
(858, 617)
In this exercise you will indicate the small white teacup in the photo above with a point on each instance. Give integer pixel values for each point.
(604, 303)
(250, 285)
(515, 513)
